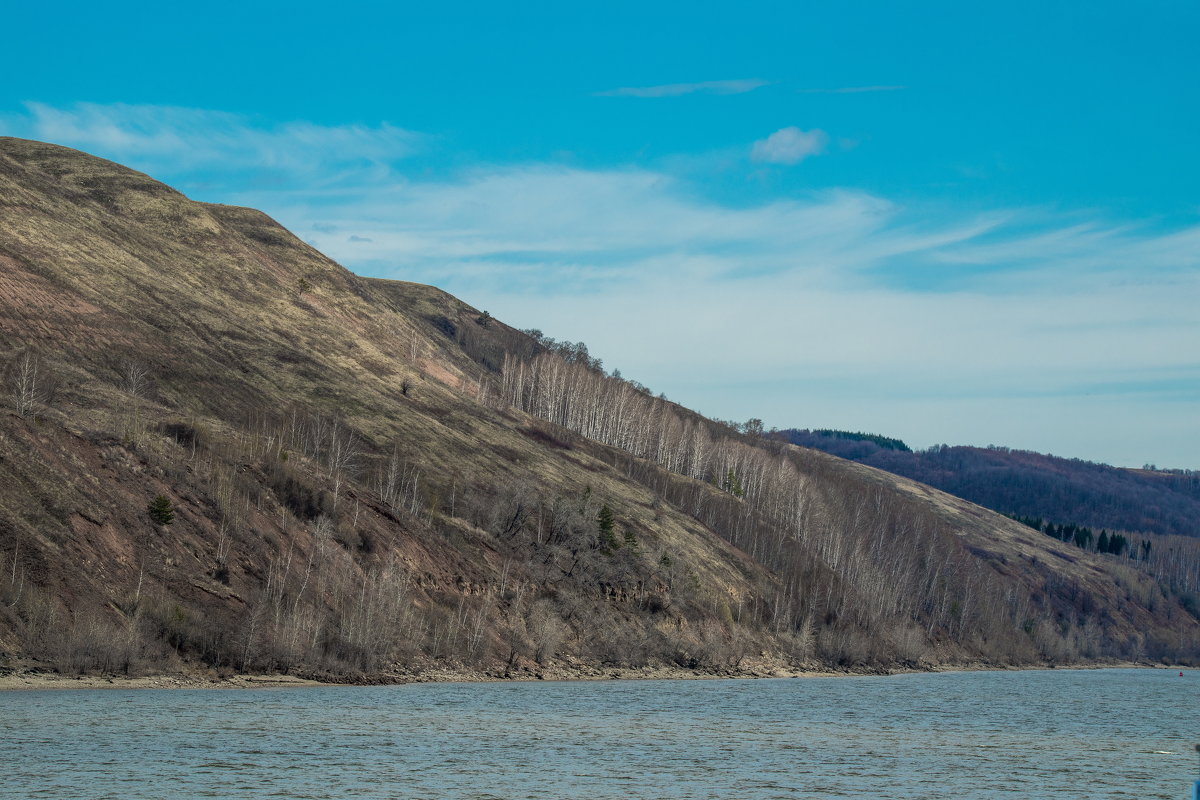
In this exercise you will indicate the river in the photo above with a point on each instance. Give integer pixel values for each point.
(1092, 734)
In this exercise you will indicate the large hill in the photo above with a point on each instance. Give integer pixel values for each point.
(1026, 484)
(367, 477)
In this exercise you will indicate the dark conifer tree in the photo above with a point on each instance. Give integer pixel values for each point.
(606, 523)
(161, 510)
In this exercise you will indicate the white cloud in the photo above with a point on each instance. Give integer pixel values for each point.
(677, 89)
(799, 311)
(789, 146)
(1023, 327)
(173, 138)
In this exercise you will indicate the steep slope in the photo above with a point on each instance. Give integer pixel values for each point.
(196, 349)
(362, 483)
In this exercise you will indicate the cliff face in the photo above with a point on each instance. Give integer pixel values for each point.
(358, 486)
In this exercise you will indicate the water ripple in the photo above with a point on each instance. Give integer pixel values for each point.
(1104, 734)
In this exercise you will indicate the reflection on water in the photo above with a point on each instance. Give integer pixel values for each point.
(1050, 734)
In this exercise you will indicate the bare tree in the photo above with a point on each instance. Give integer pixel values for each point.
(545, 629)
(135, 378)
(342, 454)
(26, 381)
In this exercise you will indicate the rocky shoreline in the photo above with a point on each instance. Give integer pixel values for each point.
(35, 679)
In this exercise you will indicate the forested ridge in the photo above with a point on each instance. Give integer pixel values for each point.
(1065, 491)
(220, 449)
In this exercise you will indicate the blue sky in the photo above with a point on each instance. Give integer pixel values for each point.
(936, 221)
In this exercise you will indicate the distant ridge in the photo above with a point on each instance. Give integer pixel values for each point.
(885, 442)
(1029, 484)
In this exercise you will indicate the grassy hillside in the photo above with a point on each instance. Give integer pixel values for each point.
(369, 477)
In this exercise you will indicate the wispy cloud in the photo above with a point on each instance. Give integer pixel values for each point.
(951, 316)
(189, 138)
(677, 89)
(645, 225)
(789, 146)
(831, 309)
(852, 90)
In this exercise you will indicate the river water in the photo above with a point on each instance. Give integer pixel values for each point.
(1041, 734)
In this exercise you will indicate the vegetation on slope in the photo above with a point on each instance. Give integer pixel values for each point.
(1145, 516)
(365, 476)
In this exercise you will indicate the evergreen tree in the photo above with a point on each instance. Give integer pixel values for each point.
(607, 524)
(1083, 538)
(732, 484)
(161, 510)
